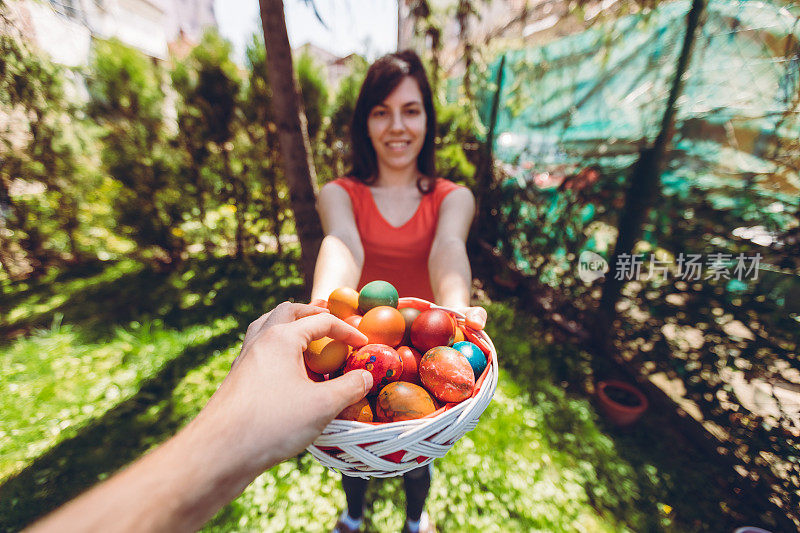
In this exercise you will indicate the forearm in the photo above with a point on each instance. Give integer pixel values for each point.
(451, 276)
(337, 266)
(176, 487)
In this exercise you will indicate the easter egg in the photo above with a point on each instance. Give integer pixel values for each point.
(475, 356)
(361, 411)
(325, 355)
(353, 320)
(343, 302)
(411, 359)
(313, 376)
(380, 360)
(376, 293)
(403, 401)
(447, 374)
(433, 327)
(409, 314)
(459, 336)
(383, 325)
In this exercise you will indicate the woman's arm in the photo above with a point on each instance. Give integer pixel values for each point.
(451, 276)
(341, 255)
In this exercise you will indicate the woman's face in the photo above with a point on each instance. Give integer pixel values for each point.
(397, 126)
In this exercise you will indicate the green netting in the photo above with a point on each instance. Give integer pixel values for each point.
(601, 93)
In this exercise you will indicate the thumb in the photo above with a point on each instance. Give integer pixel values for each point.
(347, 389)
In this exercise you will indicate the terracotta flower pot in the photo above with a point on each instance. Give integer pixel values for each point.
(622, 403)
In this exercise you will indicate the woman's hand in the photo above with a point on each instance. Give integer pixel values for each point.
(475, 316)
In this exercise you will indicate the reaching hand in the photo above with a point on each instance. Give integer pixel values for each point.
(267, 405)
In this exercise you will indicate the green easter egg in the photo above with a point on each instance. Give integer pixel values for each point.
(376, 293)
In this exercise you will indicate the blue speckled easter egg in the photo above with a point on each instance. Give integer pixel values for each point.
(475, 356)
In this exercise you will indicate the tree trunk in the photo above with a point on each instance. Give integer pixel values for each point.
(292, 134)
(645, 178)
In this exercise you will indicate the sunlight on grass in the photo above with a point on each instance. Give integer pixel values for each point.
(37, 303)
(54, 381)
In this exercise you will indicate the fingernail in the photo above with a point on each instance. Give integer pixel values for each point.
(367, 377)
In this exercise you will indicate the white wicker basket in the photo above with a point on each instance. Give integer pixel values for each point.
(391, 449)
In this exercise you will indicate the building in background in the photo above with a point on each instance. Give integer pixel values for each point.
(502, 24)
(65, 28)
(334, 67)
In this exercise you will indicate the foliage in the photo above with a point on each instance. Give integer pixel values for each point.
(314, 92)
(127, 99)
(333, 149)
(46, 174)
(263, 156)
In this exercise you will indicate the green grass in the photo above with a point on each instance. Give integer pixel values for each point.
(79, 403)
(54, 381)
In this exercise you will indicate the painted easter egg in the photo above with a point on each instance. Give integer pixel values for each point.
(383, 325)
(361, 411)
(433, 327)
(459, 336)
(475, 356)
(382, 361)
(447, 374)
(409, 315)
(325, 355)
(376, 293)
(411, 359)
(403, 401)
(343, 302)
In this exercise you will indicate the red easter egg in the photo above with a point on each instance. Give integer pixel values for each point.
(383, 325)
(382, 361)
(403, 401)
(409, 314)
(361, 411)
(447, 374)
(354, 320)
(411, 359)
(433, 327)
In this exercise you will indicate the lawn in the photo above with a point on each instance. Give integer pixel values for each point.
(113, 360)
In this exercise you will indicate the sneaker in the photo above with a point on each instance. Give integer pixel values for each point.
(342, 527)
(426, 525)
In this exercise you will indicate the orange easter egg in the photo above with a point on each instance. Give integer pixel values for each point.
(326, 355)
(403, 401)
(360, 411)
(383, 325)
(343, 302)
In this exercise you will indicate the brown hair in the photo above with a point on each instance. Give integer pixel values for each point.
(383, 77)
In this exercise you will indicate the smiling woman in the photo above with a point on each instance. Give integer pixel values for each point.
(393, 219)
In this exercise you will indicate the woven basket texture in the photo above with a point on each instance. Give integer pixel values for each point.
(391, 449)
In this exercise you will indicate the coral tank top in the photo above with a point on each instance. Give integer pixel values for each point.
(398, 255)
